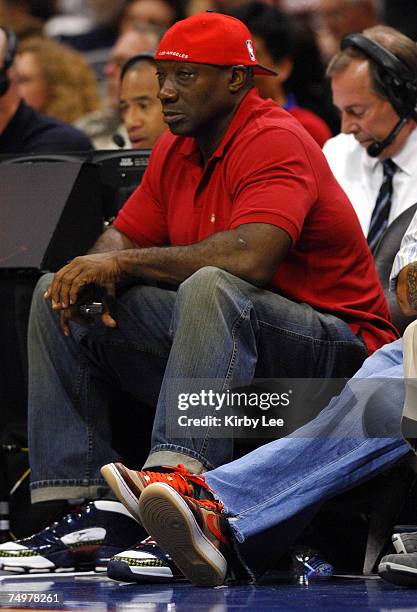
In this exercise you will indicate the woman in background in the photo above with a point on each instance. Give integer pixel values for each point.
(56, 80)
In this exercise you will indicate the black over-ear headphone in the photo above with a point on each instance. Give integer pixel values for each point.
(396, 80)
(11, 49)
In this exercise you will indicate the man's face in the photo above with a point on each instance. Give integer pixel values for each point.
(341, 17)
(139, 106)
(105, 12)
(195, 97)
(129, 44)
(156, 12)
(365, 114)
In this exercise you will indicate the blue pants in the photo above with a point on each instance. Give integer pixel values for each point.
(216, 327)
(269, 494)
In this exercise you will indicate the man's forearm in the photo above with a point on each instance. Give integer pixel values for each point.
(111, 240)
(236, 251)
(251, 251)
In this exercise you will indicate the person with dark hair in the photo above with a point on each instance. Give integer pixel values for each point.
(102, 125)
(264, 272)
(275, 39)
(162, 13)
(339, 17)
(22, 128)
(16, 16)
(139, 106)
(378, 144)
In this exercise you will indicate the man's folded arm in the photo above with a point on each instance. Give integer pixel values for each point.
(251, 251)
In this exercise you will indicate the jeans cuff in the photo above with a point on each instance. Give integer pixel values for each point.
(168, 457)
(42, 494)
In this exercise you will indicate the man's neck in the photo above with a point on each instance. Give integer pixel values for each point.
(8, 108)
(208, 141)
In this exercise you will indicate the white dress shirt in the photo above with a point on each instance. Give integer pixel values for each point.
(361, 175)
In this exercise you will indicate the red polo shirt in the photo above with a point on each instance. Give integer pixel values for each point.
(266, 169)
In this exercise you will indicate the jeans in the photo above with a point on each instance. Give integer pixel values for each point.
(215, 327)
(270, 493)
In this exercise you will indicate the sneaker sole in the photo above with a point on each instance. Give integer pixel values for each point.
(166, 516)
(398, 574)
(121, 570)
(118, 485)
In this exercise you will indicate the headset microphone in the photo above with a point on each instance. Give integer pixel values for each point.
(118, 140)
(375, 149)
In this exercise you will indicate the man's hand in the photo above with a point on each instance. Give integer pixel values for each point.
(72, 313)
(407, 289)
(101, 268)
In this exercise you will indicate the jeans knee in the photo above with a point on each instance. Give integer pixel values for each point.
(38, 300)
(205, 284)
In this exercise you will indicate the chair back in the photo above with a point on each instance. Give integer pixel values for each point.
(384, 256)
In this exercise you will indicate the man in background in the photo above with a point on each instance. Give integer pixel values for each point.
(375, 157)
(102, 125)
(339, 17)
(139, 106)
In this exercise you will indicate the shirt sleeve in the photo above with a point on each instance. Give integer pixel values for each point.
(280, 192)
(407, 253)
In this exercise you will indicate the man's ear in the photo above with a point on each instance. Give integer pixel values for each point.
(239, 78)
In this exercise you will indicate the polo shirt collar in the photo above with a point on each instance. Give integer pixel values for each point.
(189, 148)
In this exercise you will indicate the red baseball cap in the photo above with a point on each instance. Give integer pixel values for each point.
(210, 38)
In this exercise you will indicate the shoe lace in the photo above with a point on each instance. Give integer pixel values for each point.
(209, 504)
(179, 478)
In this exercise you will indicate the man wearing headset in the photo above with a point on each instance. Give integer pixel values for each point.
(371, 79)
(22, 129)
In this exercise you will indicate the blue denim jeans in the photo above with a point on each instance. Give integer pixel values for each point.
(215, 326)
(270, 494)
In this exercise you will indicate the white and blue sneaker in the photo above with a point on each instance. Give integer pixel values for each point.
(145, 562)
(83, 540)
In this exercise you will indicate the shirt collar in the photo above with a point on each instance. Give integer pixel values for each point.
(405, 159)
(250, 102)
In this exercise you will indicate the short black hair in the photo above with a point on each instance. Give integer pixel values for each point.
(137, 59)
(273, 26)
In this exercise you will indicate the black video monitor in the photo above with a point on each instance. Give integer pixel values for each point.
(120, 173)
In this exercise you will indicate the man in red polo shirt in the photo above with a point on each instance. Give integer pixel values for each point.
(271, 276)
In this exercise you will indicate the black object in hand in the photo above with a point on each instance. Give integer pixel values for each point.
(91, 309)
(90, 300)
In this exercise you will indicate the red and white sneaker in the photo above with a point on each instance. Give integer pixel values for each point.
(128, 484)
(193, 532)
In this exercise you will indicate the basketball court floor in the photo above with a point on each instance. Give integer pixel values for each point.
(97, 593)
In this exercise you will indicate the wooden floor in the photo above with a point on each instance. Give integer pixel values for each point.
(98, 593)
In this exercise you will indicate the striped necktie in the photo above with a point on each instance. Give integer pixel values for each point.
(379, 219)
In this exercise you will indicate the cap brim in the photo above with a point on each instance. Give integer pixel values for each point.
(258, 69)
